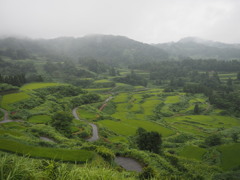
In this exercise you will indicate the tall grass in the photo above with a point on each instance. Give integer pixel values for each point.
(24, 168)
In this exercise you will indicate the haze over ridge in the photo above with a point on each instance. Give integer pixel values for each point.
(155, 21)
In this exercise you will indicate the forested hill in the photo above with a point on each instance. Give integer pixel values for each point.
(105, 48)
(198, 48)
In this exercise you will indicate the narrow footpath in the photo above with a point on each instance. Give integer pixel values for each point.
(6, 118)
(95, 136)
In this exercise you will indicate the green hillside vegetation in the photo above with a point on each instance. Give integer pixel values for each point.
(177, 119)
(37, 86)
(73, 155)
(9, 99)
(192, 152)
(229, 157)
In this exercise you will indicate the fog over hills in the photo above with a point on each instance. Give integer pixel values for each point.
(106, 48)
(194, 47)
(120, 49)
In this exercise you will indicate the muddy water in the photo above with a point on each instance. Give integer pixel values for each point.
(128, 164)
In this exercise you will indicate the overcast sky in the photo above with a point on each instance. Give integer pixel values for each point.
(149, 21)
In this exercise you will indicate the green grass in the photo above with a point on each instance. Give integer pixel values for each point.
(172, 99)
(1, 115)
(71, 155)
(11, 132)
(102, 81)
(121, 97)
(149, 106)
(117, 139)
(39, 119)
(31, 86)
(9, 99)
(230, 156)
(85, 114)
(129, 127)
(198, 123)
(192, 152)
(99, 90)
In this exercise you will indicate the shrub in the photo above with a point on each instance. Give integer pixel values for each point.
(147, 173)
(213, 140)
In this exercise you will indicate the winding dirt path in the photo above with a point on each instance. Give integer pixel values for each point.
(6, 117)
(95, 136)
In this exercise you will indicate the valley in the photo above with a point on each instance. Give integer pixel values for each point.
(164, 119)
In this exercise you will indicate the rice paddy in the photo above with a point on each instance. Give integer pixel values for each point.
(9, 99)
(31, 86)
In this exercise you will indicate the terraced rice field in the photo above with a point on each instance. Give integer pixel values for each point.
(39, 119)
(9, 99)
(131, 113)
(129, 127)
(172, 99)
(201, 124)
(192, 152)
(86, 114)
(73, 155)
(229, 156)
(38, 85)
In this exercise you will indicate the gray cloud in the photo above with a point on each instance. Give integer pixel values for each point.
(151, 21)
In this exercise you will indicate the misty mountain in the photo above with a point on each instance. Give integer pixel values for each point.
(199, 48)
(105, 48)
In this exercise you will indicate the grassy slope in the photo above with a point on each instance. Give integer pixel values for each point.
(31, 86)
(230, 156)
(192, 152)
(39, 119)
(73, 155)
(9, 99)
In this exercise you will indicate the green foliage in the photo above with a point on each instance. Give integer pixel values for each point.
(196, 109)
(40, 119)
(235, 137)
(229, 156)
(15, 168)
(132, 79)
(213, 140)
(32, 86)
(182, 138)
(192, 152)
(150, 141)
(148, 173)
(9, 99)
(62, 121)
(7, 87)
(212, 156)
(21, 114)
(231, 175)
(106, 153)
(73, 155)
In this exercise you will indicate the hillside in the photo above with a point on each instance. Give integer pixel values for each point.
(199, 48)
(105, 48)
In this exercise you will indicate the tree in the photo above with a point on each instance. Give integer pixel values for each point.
(229, 82)
(196, 109)
(150, 141)
(238, 76)
(62, 121)
(235, 137)
(213, 140)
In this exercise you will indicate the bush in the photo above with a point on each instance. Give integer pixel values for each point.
(106, 153)
(147, 173)
(83, 135)
(62, 121)
(213, 140)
